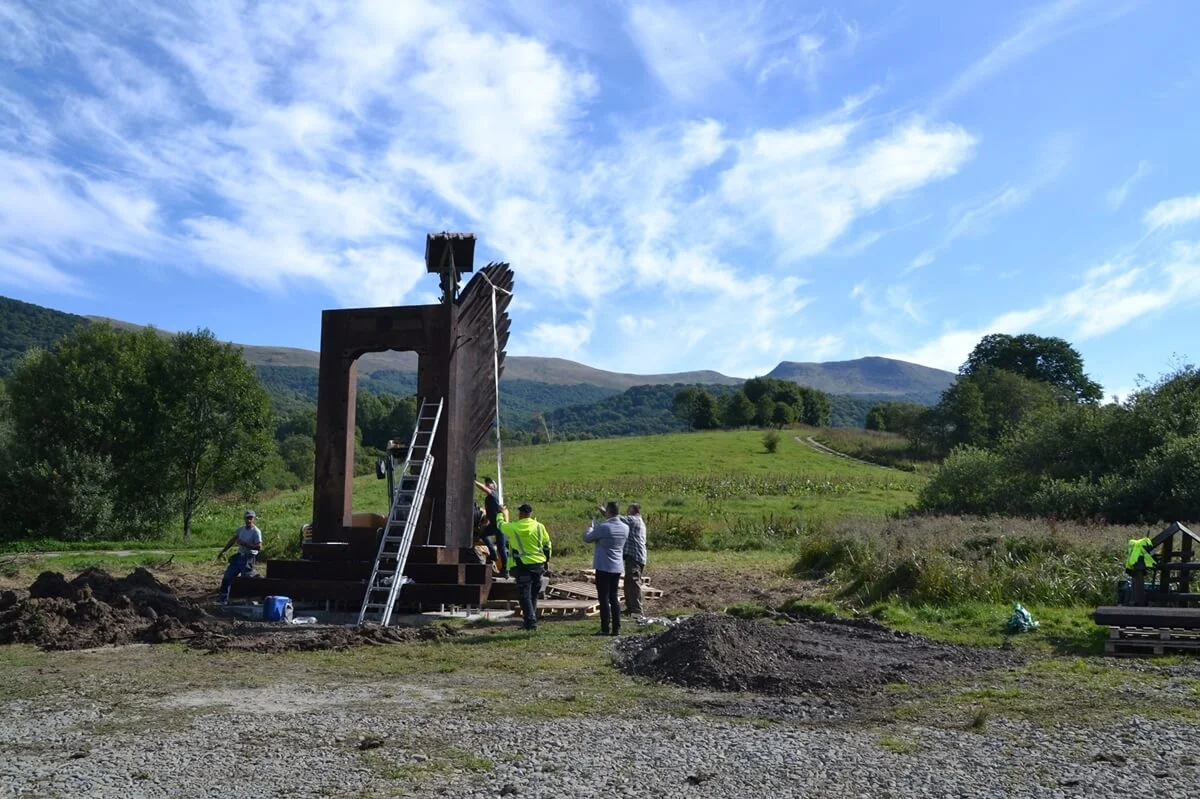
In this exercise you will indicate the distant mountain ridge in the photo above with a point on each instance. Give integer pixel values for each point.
(871, 375)
(23, 325)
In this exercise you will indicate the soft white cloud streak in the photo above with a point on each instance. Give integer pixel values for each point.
(977, 218)
(1043, 27)
(1172, 213)
(1109, 298)
(1116, 197)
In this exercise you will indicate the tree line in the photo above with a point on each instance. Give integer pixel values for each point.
(1023, 432)
(760, 402)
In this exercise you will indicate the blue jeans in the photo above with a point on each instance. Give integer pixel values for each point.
(239, 566)
(501, 544)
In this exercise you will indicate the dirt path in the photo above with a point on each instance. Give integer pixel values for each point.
(819, 447)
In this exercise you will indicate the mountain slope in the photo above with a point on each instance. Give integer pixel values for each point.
(878, 376)
(23, 325)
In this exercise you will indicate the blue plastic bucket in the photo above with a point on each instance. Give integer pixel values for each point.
(275, 608)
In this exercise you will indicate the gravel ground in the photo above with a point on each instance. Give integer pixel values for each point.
(392, 740)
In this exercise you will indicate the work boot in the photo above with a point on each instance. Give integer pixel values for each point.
(601, 632)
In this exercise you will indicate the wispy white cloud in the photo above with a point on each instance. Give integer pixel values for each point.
(976, 218)
(1116, 196)
(1173, 212)
(311, 144)
(1109, 298)
(557, 339)
(29, 270)
(806, 186)
(699, 47)
(1043, 27)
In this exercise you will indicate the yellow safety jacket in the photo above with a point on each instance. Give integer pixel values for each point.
(528, 541)
(1139, 550)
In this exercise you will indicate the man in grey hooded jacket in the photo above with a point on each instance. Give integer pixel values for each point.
(609, 536)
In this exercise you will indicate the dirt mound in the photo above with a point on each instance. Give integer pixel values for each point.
(94, 609)
(97, 609)
(836, 659)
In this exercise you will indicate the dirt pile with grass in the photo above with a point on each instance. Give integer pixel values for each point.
(843, 660)
(94, 609)
(97, 609)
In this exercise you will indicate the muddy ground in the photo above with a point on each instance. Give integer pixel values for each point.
(96, 609)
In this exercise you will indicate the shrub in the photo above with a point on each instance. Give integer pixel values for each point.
(672, 531)
(74, 499)
(970, 480)
(945, 560)
(771, 440)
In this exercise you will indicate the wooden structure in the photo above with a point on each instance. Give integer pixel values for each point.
(457, 357)
(1162, 611)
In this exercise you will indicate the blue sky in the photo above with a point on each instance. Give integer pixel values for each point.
(678, 185)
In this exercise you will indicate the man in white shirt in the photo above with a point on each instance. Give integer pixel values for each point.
(249, 541)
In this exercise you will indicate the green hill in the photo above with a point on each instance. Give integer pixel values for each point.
(24, 326)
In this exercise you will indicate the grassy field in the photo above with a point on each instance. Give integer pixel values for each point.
(722, 487)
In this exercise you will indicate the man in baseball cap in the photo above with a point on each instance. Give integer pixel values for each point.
(249, 541)
(530, 546)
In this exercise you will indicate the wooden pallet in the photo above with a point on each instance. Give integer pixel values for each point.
(558, 608)
(1134, 641)
(648, 591)
(574, 590)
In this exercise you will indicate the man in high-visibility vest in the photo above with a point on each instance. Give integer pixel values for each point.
(529, 548)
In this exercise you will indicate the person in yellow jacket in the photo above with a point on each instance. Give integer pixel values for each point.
(529, 552)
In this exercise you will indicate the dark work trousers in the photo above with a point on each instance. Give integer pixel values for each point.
(633, 588)
(529, 583)
(610, 605)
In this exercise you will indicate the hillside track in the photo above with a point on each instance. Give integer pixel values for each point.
(819, 447)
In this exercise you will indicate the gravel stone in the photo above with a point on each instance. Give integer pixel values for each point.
(303, 741)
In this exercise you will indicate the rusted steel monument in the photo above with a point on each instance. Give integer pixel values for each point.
(460, 355)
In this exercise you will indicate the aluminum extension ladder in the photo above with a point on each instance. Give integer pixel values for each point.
(387, 575)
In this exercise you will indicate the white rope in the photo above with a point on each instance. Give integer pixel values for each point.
(496, 379)
(496, 376)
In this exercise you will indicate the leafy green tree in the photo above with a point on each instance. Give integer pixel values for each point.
(299, 456)
(707, 413)
(1044, 359)
(739, 411)
(962, 415)
(764, 409)
(91, 395)
(1009, 398)
(217, 419)
(684, 403)
(783, 414)
(815, 410)
(895, 417)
